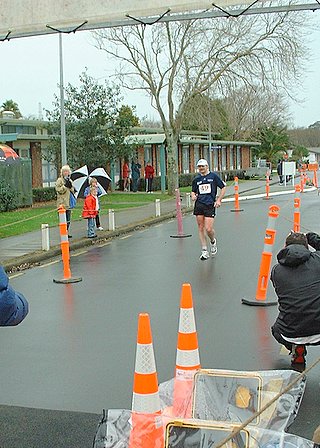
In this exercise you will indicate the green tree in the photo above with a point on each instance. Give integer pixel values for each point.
(275, 141)
(12, 106)
(300, 152)
(96, 124)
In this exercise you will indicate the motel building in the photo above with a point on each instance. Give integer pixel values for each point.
(29, 138)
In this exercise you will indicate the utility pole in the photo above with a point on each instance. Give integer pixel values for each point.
(62, 113)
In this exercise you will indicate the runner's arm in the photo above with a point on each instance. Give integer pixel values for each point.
(194, 194)
(221, 195)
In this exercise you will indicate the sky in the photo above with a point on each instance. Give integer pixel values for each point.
(30, 74)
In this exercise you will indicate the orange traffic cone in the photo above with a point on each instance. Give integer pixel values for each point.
(65, 252)
(188, 360)
(265, 264)
(147, 427)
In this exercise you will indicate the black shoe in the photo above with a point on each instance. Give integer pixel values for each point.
(94, 236)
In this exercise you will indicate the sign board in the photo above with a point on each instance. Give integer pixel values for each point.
(288, 172)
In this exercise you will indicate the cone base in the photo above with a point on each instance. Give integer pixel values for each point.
(235, 210)
(180, 236)
(258, 302)
(266, 198)
(68, 280)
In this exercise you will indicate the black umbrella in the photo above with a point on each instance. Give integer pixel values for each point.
(81, 179)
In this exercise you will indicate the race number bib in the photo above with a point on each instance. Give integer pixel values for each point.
(205, 188)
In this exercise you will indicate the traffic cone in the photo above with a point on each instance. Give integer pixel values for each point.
(188, 360)
(296, 214)
(147, 427)
(236, 197)
(267, 197)
(265, 264)
(180, 233)
(65, 250)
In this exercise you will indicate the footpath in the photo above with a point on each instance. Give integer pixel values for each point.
(19, 252)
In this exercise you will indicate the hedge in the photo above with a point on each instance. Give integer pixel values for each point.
(44, 194)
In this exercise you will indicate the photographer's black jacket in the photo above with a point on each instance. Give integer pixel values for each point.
(296, 280)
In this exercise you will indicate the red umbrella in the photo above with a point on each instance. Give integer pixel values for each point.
(8, 155)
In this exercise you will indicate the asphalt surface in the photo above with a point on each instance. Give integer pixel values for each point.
(75, 351)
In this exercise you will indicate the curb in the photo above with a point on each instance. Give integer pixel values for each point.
(24, 262)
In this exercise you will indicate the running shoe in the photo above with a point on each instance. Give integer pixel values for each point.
(213, 247)
(100, 228)
(298, 354)
(204, 255)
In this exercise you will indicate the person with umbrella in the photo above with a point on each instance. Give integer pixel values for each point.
(65, 192)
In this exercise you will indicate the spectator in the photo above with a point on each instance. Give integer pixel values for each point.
(149, 174)
(13, 305)
(296, 280)
(135, 172)
(65, 193)
(279, 171)
(90, 210)
(94, 183)
(125, 175)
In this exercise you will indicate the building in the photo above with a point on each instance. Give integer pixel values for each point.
(29, 138)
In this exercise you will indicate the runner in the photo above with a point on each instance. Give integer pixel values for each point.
(204, 191)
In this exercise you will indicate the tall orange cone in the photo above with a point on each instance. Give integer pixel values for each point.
(147, 428)
(236, 197)
(65, 250)
(266, 258)
(296, 214)
(187, 360)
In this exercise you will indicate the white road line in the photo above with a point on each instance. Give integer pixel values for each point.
(16, 275)
(49, 264)
(104, 244)
(126, 236)
(79, 253)
(158, 225)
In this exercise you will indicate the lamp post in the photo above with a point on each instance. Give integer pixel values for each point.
(62, 113)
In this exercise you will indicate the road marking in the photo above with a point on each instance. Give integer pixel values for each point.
(126, 236)
(284, 351)
(49, 264)
(158, 225)
(79, 253)
(16, 275)
(105, 244)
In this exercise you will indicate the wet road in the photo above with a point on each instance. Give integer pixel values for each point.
(75, 351)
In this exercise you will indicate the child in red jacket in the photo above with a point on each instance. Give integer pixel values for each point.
(90, 211)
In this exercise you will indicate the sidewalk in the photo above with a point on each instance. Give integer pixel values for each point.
(26, 248)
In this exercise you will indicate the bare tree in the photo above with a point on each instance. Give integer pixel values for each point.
(252, 107)
(175, 61)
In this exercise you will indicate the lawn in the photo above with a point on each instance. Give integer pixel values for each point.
(25, 220)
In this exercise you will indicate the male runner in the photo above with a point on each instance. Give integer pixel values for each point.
(204, 191)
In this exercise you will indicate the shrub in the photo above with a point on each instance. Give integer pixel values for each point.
(44, 194)
(8, 197)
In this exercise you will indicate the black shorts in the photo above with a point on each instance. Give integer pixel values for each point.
(208, 211)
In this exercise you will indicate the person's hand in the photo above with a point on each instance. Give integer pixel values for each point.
(68, 183)
(217, 203)
(194, 196)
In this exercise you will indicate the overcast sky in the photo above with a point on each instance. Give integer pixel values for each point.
(30, 74)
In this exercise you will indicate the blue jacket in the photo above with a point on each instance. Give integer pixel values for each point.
(13, 305)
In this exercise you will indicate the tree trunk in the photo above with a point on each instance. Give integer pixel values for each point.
(172, 153)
